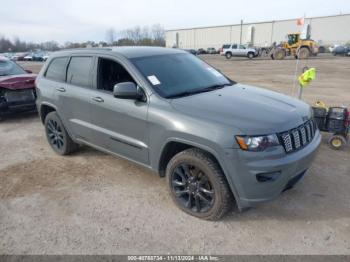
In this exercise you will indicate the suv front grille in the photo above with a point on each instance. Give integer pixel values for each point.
(297, 138)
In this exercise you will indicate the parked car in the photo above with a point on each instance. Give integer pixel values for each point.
(28, 57)
(19, 56)
(229, 50)
(201, 51)
(191, 51)
(38, 56)
(46, 56)
(215, 141)
(17, 90)
(331, 48)
(341, 50)
(212, 50)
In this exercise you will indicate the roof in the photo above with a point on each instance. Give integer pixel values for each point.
(126, 51)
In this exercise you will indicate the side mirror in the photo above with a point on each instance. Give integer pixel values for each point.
(127, 90)
(29, 71)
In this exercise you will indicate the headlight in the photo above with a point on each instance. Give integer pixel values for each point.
(257, 143)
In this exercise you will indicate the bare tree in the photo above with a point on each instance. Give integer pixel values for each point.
(158, 34)
(134, 34)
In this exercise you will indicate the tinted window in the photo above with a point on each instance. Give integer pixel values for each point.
(8, 67)
(111, 73)
(174, 74)
(234, 46)
(79, 71)
(226, 46)
(57, 69)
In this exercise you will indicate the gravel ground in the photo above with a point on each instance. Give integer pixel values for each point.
(93, 203)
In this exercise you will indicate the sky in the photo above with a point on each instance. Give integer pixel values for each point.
(82, 20)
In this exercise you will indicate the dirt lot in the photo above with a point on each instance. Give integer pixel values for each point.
(93, 203)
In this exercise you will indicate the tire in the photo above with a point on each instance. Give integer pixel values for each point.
(337, 142)
(250, 55)
(279, 54)
(57, 135)
(193, 174)
(228, 55)
(303, 53)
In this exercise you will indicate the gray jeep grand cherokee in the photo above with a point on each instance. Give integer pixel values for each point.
(216, 141)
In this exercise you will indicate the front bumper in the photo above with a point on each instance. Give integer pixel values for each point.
(244, 168)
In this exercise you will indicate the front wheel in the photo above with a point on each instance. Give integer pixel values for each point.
(303, 53)
(197, 185)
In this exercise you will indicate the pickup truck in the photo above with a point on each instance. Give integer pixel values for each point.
(229, 50)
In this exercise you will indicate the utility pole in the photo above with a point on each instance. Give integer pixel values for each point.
(272, 28)
(240, 37)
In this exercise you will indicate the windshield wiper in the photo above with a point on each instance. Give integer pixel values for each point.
(203, 90)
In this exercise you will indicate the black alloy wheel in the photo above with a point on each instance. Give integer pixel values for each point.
(197, 184)
(55, 134)
(192, 188)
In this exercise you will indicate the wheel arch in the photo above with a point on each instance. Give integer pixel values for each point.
(46, 108)
(304, 46)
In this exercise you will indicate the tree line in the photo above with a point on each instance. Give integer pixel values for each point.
(146, 36)
(6, 45)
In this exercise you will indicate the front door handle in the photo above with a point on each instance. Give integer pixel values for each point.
(98, 99)
(61, 89)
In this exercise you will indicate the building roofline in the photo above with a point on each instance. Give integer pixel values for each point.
(252, 23)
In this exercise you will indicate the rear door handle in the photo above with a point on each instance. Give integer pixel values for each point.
(61, 89)
(98, 99)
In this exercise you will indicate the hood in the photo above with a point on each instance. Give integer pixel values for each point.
(253, 110)
(15, 82)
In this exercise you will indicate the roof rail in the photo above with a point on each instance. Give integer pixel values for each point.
(87, 48)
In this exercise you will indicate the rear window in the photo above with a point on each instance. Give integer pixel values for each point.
(79, 71)
(57, 69)
(8, 67)
(226, 46)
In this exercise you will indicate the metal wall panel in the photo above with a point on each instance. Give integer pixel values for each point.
(326, 30)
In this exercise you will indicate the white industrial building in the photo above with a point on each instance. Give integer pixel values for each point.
(327, 30)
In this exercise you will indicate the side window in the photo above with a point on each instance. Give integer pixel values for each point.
(79, 71)
(111, 73)
(57, 69)
(234, 46)
(241, 47)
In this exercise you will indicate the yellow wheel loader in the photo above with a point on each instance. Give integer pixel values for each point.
(295, 46)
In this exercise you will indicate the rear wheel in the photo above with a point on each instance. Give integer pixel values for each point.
(250, 55)
(57, 135)
(197, 185)
(228, 55)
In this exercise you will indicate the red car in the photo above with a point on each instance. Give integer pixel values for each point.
(17, 88)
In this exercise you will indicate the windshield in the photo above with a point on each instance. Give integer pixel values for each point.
(8, 67)
(179, 74)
